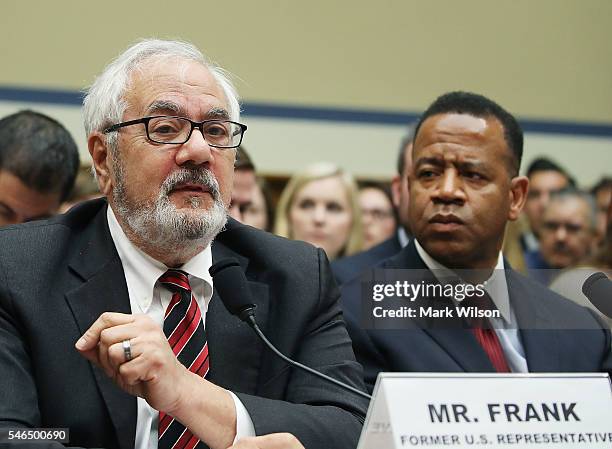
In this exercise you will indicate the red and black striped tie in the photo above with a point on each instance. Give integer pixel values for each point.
(184, 330)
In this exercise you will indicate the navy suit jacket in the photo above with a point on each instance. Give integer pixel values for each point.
(557, 335)
(58, 276)
(348, 268)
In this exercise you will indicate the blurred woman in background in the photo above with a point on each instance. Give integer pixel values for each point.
(320, 206)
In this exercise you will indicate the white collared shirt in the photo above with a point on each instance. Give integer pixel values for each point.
(149, 297)
(505, 326)
(531, 241)
(402, 236)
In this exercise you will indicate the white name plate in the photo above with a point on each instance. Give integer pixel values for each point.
(411, 410)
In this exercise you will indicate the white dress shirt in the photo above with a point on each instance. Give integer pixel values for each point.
(402, 236)
(149, 297)
(531, 241)
(505, 326)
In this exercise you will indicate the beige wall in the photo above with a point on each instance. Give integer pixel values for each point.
(541, 59)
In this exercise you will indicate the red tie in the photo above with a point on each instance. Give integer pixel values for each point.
(487, 337)
(490, 343)
(184, 330)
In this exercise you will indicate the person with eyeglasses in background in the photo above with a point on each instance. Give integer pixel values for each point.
(378, 216)
(568, 232)
(522, 242)
(575, 228)
(111, 324)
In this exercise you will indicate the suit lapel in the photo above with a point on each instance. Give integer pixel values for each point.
(539, 337)
(463, 348)
(102, 289)
(234, 349)
(452, 337)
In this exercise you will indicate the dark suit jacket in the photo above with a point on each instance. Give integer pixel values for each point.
(58, 276)
(348, 268)
(556, 334)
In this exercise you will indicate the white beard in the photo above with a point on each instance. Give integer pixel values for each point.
(163, 226)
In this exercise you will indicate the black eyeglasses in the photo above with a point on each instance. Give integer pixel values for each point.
(177, 130)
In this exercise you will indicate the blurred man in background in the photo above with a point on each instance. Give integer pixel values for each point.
(569, 282)
(545, 178)
(38, 165)
(251, 197)
(259, 212)
(602, 191)
(568, 233)
(347, 268)
(522, 244)
(245, 183)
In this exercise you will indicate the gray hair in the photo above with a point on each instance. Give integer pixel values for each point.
(104, 105)
(572, 193)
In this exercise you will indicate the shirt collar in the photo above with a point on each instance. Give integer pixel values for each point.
(142, 271)
(531, 241)
(402, 236)
(495, 286)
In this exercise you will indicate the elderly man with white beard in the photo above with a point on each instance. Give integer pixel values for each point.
(110, 324)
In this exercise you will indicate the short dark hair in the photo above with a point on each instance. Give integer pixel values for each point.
(243, 160)
(545, 164)
(480, 106)
(406, 141)
(39, 151)
(604, 183)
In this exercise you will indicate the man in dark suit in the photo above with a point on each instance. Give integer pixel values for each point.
(347, 268)
(158, 360)
(522, 243)
(464, 187)
(545, 179)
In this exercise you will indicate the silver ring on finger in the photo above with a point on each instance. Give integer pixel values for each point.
(127, 350)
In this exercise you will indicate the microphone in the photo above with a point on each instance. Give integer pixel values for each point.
(234, 291)
(598, 288)
(231, 283)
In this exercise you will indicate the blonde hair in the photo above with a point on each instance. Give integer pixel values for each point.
(321, 170)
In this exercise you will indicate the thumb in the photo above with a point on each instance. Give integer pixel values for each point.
(89, 354)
